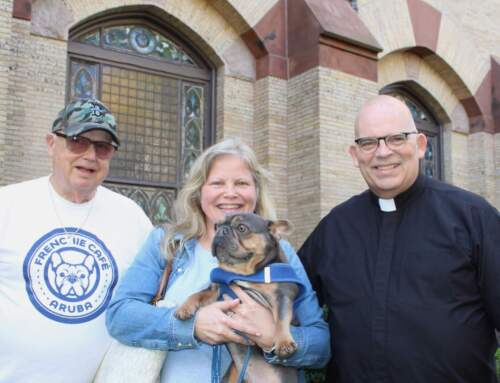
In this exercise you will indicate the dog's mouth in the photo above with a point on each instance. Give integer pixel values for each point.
(232, 259)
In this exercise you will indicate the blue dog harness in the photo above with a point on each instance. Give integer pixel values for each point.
(275, 272)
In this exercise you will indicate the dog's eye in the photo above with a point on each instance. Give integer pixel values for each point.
(242, 228)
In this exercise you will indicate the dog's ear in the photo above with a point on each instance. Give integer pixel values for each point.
(279, 227)
(55, 260)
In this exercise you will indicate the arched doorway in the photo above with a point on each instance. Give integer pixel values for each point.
(160, 90)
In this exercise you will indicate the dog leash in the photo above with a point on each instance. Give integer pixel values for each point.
(216, 363)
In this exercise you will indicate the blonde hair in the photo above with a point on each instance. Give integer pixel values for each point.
(189, 219)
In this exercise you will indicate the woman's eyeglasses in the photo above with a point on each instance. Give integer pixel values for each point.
(79, 144)
(393, 141)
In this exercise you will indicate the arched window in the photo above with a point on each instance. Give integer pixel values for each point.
(159, 89)
(431, 164)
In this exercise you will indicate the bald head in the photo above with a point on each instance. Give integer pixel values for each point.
(388, 169)
(385, 108)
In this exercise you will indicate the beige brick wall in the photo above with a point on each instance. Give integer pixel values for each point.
(18, 81)
(482, 172)
(480, 20)
(389, 22)
(5, 49)
(236, 108)
(304, 194)
(322, 105)
(300, 128)
(341, 97)
(456, 155)
(468, 35)
(44, 99)
(271, 136)
(35, 88)
(250, 11)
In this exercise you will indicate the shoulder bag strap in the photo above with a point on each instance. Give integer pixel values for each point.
(160, 293)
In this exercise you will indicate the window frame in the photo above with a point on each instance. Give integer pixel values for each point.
(203, 75)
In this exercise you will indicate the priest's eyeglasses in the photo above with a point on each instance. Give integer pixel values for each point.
(79, 144)
(393, 141)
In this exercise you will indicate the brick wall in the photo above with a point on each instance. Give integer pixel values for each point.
(304, 194)
(5, 53)
(236, 109)
(301, 127)
(18, 83)
(482, 171)
(271, 136)
(322, 105)
(341, 96)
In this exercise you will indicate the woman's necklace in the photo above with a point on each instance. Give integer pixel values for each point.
(67, 234)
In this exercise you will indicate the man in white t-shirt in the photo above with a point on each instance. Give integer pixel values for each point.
(64, 242)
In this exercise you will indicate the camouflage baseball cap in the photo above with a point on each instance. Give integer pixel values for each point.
(82, 115)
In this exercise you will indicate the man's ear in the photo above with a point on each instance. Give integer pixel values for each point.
(50, 140)
(353, 151)
(421, 145)
(279, 227)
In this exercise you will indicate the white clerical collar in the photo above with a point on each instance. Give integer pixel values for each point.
(387, 205)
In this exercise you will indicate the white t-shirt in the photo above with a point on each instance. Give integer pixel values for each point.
(55, 284)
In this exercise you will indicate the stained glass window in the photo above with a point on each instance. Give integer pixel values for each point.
(83, 79)
(192, 123)
(92, 38)
(161, 110)
(137, 39)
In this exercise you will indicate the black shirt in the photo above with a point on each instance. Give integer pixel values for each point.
(413, 295)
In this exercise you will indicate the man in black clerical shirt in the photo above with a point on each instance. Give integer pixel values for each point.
(409, 269)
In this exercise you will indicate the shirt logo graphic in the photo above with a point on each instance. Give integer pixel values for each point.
(70, 278)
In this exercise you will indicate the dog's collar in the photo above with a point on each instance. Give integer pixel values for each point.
(275, 272)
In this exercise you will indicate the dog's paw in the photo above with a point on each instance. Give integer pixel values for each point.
(184, 313)
(285, 348)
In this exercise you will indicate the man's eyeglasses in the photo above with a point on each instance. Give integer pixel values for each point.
(393, 141)
(79, 144)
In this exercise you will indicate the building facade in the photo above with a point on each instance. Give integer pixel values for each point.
(287, 76)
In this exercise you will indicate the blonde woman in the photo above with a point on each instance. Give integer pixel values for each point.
(226, 178)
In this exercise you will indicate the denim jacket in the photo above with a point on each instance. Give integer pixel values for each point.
(133, 321)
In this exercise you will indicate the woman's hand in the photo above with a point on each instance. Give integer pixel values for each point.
(252, 319)
(210, 325)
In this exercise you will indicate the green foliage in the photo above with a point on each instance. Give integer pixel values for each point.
(497, 357)
(315, 376)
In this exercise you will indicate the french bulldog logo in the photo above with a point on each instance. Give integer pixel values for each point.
(72, 280)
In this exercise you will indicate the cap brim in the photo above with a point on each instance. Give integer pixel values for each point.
(77, 129)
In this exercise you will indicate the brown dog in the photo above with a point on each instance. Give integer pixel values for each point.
(245, 244)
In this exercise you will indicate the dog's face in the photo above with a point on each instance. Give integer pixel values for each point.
(245, 242)
(72, 280)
